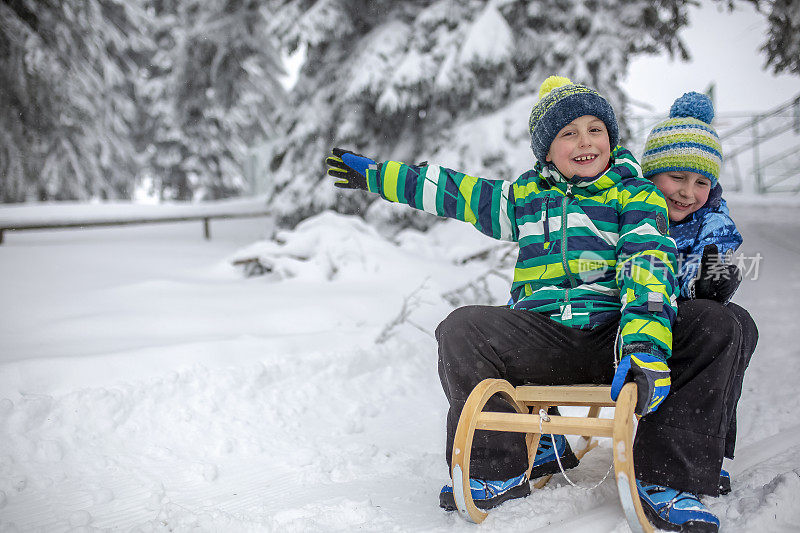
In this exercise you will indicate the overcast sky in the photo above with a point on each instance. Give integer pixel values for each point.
(725, 50)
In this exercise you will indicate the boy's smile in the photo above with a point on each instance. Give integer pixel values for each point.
(685, 191)
(581, 148)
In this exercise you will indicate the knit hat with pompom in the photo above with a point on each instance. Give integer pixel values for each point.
(685, 141)
(561, 102)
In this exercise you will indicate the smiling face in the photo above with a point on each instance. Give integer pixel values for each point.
(686, 192)
(581, 148)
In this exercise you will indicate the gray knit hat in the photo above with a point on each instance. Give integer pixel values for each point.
(561, 102)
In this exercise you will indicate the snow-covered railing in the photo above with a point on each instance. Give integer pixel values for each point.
(64, 216)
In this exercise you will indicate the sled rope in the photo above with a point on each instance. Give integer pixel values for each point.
(544, 417)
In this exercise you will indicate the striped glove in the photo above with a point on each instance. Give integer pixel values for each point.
(349, 169)
(651, 375)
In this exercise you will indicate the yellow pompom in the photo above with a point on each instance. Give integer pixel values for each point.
(551, 83)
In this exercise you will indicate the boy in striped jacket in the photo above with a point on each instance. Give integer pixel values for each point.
(594, 292)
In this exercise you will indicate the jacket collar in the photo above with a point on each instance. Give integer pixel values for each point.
(714, 197)
(623, 165)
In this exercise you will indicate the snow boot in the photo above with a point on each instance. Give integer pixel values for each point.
(545, 461)
(487, 494)
(675, 510)
(724, 482)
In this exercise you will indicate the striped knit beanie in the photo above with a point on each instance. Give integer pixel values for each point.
(685, 141)
(561, 102)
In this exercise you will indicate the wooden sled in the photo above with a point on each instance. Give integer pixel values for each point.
(528, 400)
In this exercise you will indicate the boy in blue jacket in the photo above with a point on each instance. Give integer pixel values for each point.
(683, 156)
(595, 299)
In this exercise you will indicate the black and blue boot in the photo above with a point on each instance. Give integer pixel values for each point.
(676, 510)
(724, 482)
(488, 494)
(545, 461)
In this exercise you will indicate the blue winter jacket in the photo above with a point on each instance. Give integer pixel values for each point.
(711, 224)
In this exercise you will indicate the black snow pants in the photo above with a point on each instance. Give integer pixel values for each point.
(681, 445)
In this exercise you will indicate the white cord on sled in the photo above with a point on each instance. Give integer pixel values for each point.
(544, 417)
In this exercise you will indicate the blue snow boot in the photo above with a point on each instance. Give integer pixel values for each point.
(676, 510)
(545, 461)
(487, 494)
(724, 482)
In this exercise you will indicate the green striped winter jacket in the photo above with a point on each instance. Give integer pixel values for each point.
(612, 260)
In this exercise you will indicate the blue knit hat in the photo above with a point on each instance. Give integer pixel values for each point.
(685, 141)
(561, 102)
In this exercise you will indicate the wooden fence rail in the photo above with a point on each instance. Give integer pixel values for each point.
(74, 223)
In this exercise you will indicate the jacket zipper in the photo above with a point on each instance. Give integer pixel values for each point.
(566, 313)
(564, 261)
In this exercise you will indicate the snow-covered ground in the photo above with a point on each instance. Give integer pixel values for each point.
(146, 384)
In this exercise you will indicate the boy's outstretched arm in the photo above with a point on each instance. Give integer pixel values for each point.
(486, 204)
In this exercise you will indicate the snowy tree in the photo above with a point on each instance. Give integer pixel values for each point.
(207, 94)
(98, 93)
(782, 46)
(65, 99)
(783, 40)
(390, 79)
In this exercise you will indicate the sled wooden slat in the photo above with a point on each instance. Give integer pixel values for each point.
(560, 425)
(566, 395)
(528, 400)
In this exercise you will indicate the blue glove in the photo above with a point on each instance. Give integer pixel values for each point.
(349, 168)
(651, 375)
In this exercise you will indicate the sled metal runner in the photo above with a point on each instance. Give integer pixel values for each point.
(528, 400)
